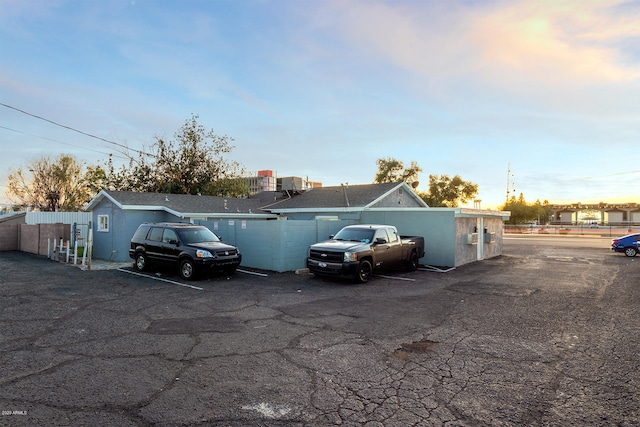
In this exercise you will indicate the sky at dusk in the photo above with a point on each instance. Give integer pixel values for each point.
(322, 88)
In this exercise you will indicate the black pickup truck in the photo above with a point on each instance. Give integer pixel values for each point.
(359, 249)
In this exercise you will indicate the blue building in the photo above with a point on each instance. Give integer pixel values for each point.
(274, 229)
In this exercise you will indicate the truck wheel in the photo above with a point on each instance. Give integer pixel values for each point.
(412, 264)
(364, 271)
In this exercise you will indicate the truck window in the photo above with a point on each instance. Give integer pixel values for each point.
(381, 234)
(355, 235)
(393, 235)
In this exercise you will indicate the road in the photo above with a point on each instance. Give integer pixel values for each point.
(557, 241)
(545, 335)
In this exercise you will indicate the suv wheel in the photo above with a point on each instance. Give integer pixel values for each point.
(187, 269)
(141, 261)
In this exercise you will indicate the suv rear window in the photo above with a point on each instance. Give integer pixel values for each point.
(156, 234)
(141, 233)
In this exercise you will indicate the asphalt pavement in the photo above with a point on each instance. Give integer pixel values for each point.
(541, 336)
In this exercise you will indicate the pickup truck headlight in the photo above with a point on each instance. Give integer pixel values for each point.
(203, 254)
(350, 256)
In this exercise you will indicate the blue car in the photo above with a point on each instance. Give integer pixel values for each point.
(629, 244)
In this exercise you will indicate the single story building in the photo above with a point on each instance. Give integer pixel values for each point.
(273, 230)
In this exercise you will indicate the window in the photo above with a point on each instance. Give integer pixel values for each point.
(381, 234)
(169, 236)
(156, 234)
(103, 223)
(141, 233)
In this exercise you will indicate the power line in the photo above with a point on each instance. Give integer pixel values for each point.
(64, 143)
(75, 130)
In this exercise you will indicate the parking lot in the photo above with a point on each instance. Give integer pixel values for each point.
(545, 335)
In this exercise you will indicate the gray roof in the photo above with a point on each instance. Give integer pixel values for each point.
(185, 204)
(265, 203)
(348, 196)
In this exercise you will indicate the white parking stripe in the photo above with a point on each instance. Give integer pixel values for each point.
(396, 278)
(161, 279)
(251, 272)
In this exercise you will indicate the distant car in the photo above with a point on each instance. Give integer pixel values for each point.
(193, 248)
(628, 244)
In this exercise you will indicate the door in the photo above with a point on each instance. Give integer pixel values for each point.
(154, 244)
(170, 246)
(383, 248)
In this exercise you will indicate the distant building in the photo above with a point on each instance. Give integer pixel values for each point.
(263, 181)
(599, 213)
(266, 180)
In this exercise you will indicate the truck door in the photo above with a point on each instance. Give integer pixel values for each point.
(395, 247)
(382, 252)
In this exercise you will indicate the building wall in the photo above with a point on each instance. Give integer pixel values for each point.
(495, 226)
(613, 217)
(436, 226)
(274, 245)
(18, 218)
(113, 244)
(445, 233)
(9, 240)
(35, 238)
(309, 216)
(465, 252)
(281, 245)
(400, 198)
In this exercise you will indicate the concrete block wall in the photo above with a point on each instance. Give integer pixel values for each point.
(465, 252)
(495, 247)
(34, 238)
(437, 228)
(9, 237)
(30, 238)
(279, 245)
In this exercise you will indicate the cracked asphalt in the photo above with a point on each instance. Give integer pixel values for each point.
(540, 336)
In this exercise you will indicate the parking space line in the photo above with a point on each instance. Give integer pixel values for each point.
(161, 279)
(396, 278)
(251, 272)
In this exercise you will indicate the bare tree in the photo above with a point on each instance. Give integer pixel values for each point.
(51, 185)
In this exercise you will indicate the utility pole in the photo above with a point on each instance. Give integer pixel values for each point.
(509, 183)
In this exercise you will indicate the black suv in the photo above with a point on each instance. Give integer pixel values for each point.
(194, 248)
